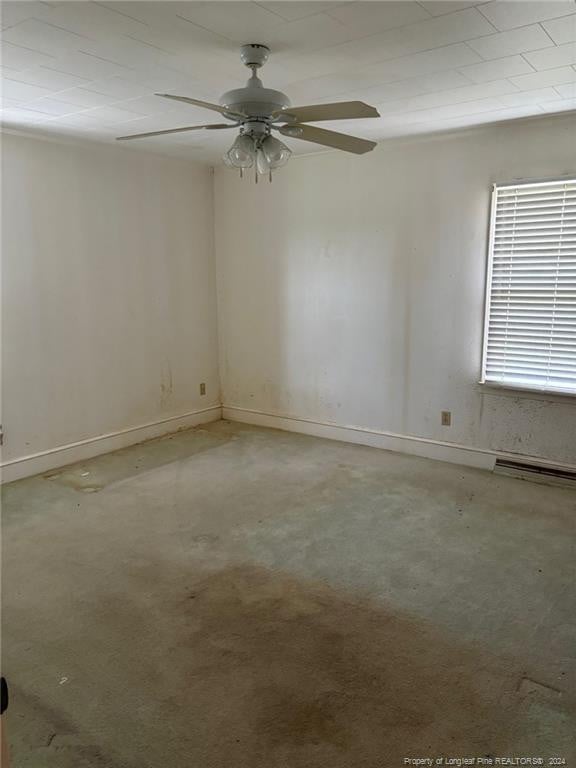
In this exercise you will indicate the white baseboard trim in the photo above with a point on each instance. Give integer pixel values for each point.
(389, 441)
(94, 446)
(481, 458)
(54, 458)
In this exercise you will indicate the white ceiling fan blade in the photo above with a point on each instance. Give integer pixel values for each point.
(214, 127)
(344, 110)
(206, 104)
(328, 138)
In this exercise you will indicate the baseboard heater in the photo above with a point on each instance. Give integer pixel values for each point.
(538, 472)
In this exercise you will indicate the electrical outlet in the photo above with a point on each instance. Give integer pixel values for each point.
(446, 418)
(202, 388)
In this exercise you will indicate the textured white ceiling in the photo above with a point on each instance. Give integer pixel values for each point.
(90, 69)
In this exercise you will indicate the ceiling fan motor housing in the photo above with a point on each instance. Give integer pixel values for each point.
(254, 100)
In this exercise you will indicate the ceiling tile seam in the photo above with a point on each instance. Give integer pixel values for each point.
(500, 58)
(99, 93)
(149, 45)
(83, 111)
(414, 113)
(80, 109)
(18, 82)
(543, 28)
(387, 29)
(471, 82)
(58, 95)
(49, 96)
(50, 117)
(483, 60)
(41, 66)
(485, 111)
(481, 12)
(545, 48)
(430, 15)
(121, 105)
(271, 10)
(25, 48)
(44, 52)
(331, 18)
(66, 72)
(308, 16)
(204, 29)
(107, 123)
(120, 13)
(533, 50)
(516, 88)
(107, 61)
(532, 67)
(11, 26)
(56, 26)
(327, 12)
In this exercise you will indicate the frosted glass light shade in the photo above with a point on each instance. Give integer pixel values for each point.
(241, 153)
(276, 153)
(262, 164)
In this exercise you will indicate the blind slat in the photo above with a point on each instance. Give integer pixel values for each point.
(541, 217)
(530, 191)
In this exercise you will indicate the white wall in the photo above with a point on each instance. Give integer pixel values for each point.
(351, 291)
(109, 298)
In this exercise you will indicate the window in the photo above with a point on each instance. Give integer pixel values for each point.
(530, 324)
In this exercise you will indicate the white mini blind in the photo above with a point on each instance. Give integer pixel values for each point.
(530, 325)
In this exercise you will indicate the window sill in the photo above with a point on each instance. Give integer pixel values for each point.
(490, 388)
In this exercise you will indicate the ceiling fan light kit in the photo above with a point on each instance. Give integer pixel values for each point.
(258, 111)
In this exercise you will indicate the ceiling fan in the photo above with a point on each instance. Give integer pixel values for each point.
(258, 111)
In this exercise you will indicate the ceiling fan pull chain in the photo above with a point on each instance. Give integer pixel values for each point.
(270, 177)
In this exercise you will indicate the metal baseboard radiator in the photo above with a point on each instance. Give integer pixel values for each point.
(542, 473)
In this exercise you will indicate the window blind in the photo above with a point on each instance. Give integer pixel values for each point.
(530, 324)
